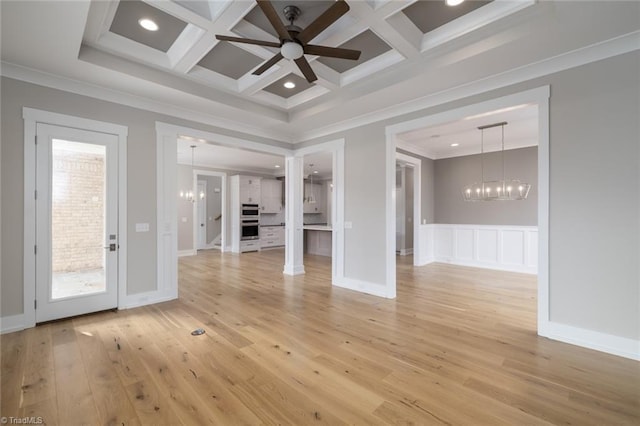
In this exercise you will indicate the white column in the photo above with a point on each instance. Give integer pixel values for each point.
(294, 220)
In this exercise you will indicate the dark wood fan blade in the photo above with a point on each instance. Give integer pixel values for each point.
(323, 21)
(304, 66)
(274, 19)
(248, 41)
(271, 62)
(332, 52)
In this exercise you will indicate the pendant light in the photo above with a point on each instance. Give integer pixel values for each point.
(496, 190)
(188, 195)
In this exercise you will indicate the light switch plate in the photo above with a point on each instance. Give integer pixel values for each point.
(184, 219)
(142, 227)
(348, 225)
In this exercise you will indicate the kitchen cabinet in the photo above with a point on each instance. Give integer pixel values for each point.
(249, 190)
(272, 236)
(243, 190)
(271, 196)
(313, 198)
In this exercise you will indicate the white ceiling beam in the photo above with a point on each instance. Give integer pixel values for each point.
(376, 21)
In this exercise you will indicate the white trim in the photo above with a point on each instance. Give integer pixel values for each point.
(294, 233)
(185, 253)
(585, 55)
(223, 208)
(616, 345)
(30, 75)
(417, 205)
(539, 96)
(461, 245)
(336, 147)
(196, 228)
(362, 287)
(12, 323)
(31, 118)
(146, 298)
(166, 209)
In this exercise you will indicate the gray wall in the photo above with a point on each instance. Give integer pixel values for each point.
(594, 195)
(141, 182)
(451, 174)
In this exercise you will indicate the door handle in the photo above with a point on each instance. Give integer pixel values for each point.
(111, 247)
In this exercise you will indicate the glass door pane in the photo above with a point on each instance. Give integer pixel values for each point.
(78, 189)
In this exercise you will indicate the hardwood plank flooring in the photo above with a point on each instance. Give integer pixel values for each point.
(457, 346)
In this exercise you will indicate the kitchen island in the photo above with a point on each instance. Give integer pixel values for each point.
(317, 239)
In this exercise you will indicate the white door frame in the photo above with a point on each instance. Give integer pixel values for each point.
(417, 202)
(166, 174)
(540, 97)
(223, 204)
(336, 148)
(31, 118)
(196, 217)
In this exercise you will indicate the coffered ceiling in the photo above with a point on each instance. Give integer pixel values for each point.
(411, 50)
(184, 45)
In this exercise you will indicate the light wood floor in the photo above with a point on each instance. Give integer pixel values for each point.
(458, 346)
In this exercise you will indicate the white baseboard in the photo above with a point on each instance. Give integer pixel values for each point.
(183, 253)
(615, 345)
(146, 298)
(11, 323)
(293, 270)
(362, 287)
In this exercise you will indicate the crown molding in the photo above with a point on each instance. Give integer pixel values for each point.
(606, 49)
(595, 52)
(30, 75)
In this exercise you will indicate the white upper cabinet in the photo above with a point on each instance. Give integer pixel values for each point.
(250, 190)
(271, 190)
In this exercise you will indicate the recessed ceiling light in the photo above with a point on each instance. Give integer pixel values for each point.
(315, 172)
(454, 2)
(148, 24)
(277, 166)
(289, 84)
(455, 144)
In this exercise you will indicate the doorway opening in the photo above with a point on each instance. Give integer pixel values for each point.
(500, 235)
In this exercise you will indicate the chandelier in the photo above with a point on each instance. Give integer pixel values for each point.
(188, 194)
(495, 190)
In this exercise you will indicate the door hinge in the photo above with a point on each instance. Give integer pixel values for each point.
(35, 249)
(36, 139)
(35, 194)
(35, 304)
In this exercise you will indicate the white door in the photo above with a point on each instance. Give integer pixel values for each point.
(77, 222)
(202, 214)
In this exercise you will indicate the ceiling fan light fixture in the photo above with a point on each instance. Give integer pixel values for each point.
(289, 84)
(148, 24)
(291, 50)
(453, 2)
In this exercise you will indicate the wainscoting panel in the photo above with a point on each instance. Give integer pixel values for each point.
(464, 244)
(444, 243)
(513, 247)
(487, 246)
(507, 248)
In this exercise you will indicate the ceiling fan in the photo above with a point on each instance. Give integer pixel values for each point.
(293, 39)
